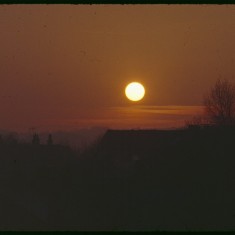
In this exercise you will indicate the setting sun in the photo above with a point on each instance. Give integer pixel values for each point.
(135, 91)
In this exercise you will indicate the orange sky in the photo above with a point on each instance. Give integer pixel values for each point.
(66, 66)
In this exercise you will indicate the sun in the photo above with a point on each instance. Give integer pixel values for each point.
(135, 91)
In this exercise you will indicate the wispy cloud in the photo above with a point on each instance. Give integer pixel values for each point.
(154, 116)
(128, 117)
(171, 109)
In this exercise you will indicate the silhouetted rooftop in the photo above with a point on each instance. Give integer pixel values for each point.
(139, 141)
(145, 142)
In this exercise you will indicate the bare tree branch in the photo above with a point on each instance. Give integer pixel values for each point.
(220, 103)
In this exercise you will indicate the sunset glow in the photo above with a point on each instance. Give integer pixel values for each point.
(67, 66)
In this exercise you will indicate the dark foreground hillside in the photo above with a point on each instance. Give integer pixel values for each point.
(131, 180)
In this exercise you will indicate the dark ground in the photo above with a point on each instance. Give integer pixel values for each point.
(131, 180)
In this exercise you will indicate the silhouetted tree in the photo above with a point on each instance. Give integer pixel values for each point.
(197, 122)
(220, 103)
(36, 139)
(49, 140)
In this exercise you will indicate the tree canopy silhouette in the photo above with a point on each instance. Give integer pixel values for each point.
(49, 140)
(220, 103)
(36, 139)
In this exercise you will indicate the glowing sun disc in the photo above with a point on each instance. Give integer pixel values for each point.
(135, 91)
